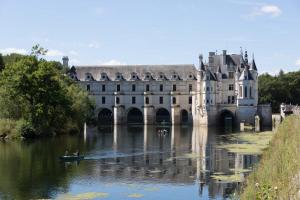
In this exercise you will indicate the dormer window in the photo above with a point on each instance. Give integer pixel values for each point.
(119, 76)
(103, 77)
(161, 76)
(147, 76)
(174, 76)
(89, 77)
(134, 76)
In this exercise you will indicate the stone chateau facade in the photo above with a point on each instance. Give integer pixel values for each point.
(220, 91)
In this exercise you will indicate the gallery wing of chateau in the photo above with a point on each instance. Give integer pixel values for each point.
(223, 88)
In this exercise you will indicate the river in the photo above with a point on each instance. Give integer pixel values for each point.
(122, 162)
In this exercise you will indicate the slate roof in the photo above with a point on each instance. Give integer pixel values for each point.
(183, 71)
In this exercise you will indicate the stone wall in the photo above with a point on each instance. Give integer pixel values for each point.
(265, 113)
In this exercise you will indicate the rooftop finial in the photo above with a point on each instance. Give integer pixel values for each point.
(246, 57)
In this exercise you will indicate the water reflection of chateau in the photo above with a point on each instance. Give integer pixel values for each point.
(183, 156)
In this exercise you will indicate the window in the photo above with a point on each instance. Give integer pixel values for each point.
(174, 87)
(147, 88)
(103, 88)
(161, 100)
(103, 100)
(190, 76)
(147, 100)
(133, 88)
(207, 89)
(190, 87)
(117, 100)
(174, 100)
(229, 99)
(174, 76)
(232, 100)
(190, 100)
(103, 76)
(161, 87)
(231, 75)
(118, 88)
(88, 88)
(245, 92)
(241, 91)
(207, 101)
(133, 100)
(231, 87)
(250, 90)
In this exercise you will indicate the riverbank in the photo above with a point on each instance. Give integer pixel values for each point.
(277, 174)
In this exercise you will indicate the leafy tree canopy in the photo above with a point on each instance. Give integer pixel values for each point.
(284, 88)
(36, 90)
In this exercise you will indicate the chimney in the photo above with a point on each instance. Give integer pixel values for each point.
(224, 57)
(65, 60)
(211, 58)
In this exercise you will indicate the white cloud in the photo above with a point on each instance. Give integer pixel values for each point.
(298, 62)
(94, 45)
(265, 10)
(112, 62)
(54, 53)
(272, 10)
(12, 50)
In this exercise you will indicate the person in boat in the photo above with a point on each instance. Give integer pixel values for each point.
(66, 153)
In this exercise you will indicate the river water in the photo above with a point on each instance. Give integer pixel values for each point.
(122, 162)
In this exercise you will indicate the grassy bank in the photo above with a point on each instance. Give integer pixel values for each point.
(275, 177)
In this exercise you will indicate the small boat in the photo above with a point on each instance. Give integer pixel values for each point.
(71, 158)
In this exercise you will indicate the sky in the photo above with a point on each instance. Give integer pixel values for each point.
(94, 32)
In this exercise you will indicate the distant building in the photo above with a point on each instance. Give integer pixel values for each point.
(224, 89)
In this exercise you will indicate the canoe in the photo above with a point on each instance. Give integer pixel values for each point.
(71, 158)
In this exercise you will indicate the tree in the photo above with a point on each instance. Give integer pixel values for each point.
(37, 50)
(2, 65)
(36, 91)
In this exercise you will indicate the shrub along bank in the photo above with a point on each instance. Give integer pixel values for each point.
(277, 174)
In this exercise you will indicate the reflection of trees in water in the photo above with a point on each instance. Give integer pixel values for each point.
(132, 153)
(32, 170)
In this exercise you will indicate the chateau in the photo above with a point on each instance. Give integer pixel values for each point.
(220, 91)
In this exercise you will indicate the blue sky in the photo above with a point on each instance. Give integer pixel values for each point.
(154, 31)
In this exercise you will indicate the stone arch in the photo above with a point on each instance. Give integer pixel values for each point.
(226, 118)
(105, 117)
(162, 115)
(184, 116)
(135, 116)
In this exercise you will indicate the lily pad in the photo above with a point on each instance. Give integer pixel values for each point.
(83, 196)
(135, 195)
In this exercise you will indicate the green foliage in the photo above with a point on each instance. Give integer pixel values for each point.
(275, 177)
(37, 50)
(284, 88)
(7, 127)
(12, 58)
(1, 62)
(37, 91)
